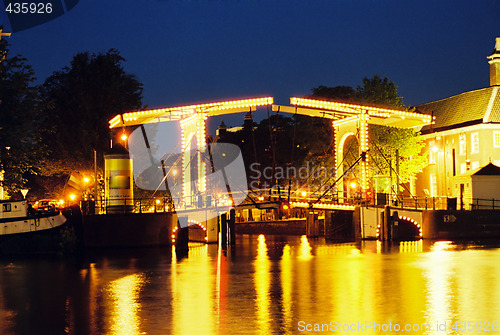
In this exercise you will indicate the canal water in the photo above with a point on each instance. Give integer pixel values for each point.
(265, 285)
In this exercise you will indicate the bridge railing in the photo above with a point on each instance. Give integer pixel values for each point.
(478, 203)
(423, 202)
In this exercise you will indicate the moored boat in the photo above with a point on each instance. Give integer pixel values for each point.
(26, 230)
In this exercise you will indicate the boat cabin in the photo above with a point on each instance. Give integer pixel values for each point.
(13, 209)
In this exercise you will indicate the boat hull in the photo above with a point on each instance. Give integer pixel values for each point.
(50, 234)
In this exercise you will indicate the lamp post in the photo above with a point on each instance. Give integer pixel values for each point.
(1, 170)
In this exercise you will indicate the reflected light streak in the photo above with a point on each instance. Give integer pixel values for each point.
(305, 248)
(286, 287)
(125, 291)
(193, 302)
(410, 246)
(438, 268)
(262, 285)
(94, 285)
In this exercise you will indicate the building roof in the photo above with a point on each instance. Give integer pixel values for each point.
(479, 106)
(488, 170)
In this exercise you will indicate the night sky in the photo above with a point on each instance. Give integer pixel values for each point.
(186, 52)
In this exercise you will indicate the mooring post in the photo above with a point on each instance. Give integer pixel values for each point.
(395, 226)
(382, 226)
(387, 223)
(223, 230)
(232, 229)
(181, 238)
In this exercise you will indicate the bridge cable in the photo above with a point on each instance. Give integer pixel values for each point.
(391, 168)
(337, 166)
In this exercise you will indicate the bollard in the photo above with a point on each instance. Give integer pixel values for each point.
(182, 242)
(223, 231)
(387, 223)
(395, 226)
(232, 229)
(181, 238)
(382, 226)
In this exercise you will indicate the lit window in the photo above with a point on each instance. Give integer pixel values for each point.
(474, 139)
(6, 208)
(496, 162)
(433, 185)
(432, 152)
(463, 144)
(474, 165)
(496, 139)
(463, 168)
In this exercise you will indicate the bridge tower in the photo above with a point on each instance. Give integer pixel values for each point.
(193, 135)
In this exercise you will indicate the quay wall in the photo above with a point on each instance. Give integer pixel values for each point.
(455, 224)
(288, 227)
(128, 230)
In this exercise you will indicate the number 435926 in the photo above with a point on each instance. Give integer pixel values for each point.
(29, 8)
(475, 326)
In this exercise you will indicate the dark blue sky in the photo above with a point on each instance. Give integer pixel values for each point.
(205, 50)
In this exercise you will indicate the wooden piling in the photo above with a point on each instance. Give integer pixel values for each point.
(223, 230)
(232, 228)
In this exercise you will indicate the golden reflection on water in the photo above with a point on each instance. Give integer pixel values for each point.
(267, 285)
(262, 285)
(286, 287)
(126, 306)
(194, 299)
(438, 271)
(410, 246)
(305, 248)
(93, 279)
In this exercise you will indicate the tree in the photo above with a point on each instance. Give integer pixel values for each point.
(380, 92)
(337, 93)
(20, 120)
(81, 99)
(384, 141)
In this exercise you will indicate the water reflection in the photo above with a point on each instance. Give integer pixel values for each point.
(262, 280)
(265, 284)
(286, 288)
(125, 293)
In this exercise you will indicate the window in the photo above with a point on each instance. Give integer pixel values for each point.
(496, 139)
(432, 152)
(6, 208)
(463, 168)
(463, 144)
(474, 139)
(433, 185)
(474, 165)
